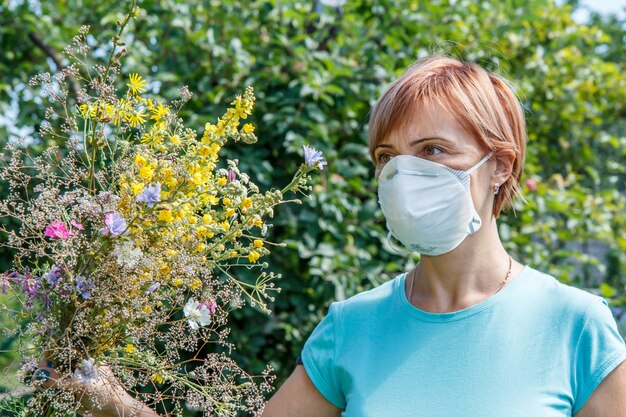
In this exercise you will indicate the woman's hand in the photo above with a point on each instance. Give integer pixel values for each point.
(104, 397)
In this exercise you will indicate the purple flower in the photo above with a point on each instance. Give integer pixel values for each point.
(6, 279)
(30, 285)
(150, 194)
(88, 374)
(84, 286)
(313, 157)
(115, 224)
(54, 275)
(153, 287)
(231, 176)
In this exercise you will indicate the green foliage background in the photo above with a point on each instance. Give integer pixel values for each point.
(316, 71)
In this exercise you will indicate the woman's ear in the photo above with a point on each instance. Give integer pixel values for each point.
(505, 159)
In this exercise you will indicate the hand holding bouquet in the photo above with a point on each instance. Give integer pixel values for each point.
(128, 242)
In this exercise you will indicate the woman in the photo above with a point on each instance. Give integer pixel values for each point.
(469, 331)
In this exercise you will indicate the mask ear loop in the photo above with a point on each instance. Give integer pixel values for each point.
(396, 248)
(482, 161)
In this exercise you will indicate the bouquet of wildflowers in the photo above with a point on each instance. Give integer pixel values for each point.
(128, 242)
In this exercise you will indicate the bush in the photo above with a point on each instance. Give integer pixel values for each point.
(317, 70)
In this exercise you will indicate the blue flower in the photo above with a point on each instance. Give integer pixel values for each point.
(115, 224)
(84, 286)
(153, 288)
(88, 374)
(151, 194)
(313, 157)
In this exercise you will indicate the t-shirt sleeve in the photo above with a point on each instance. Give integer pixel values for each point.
(599, 351)
(320, 359)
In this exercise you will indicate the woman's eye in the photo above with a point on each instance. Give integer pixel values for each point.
(384, 158)
(433, 150)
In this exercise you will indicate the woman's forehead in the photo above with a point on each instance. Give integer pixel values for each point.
(430, 120)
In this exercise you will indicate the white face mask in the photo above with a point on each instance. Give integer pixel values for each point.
(428, 206)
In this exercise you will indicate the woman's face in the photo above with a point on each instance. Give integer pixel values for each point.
(436, 136)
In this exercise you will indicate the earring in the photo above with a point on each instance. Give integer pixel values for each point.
(496, 188)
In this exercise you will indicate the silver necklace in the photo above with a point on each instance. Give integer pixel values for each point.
(502, 284)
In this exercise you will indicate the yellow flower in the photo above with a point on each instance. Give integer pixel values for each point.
(246, 203)
(201, 247)
(177, 282)
(164, 269)
(233, 253)
(147, 309)
(204, 151)
(258, 243)
(159, 112)
(171, 182)
(157, 378)
(209, 128)
(130, 348)
(175, 140)
(213, 200)
(226, 201)
(140, 160)
(243, 107)
(136, 84)
(165, 216)
(257, 222)
(253, 256)
(88, 110)
(191, 219)
(146, 172)
(225, 225)
(152, 138)
(230, 212)
(222, 181)
(207, 219)
(199, 178)
(215, 148)
(137, 187)
(136, 118)
(248, 128)
(197, 283)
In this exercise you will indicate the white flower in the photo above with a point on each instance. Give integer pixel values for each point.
(127, 254)
(197, 314)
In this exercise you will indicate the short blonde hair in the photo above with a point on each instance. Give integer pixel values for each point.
(482, 102)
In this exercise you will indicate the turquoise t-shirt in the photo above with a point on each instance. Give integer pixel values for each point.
(536, 348)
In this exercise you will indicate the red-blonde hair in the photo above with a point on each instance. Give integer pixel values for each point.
(482, 102)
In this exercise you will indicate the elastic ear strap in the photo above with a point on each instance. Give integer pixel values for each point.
(399, 250)
(482, 161)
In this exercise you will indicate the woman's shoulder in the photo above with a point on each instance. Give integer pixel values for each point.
(547, 291)
(375, 298)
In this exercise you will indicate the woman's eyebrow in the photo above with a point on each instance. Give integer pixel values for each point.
(417, 141)
(414, 142)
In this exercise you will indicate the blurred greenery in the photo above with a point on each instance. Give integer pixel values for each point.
(316, 71)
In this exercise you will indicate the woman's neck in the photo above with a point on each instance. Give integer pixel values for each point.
(465, 276)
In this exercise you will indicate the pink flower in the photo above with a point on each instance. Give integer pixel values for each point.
(531, 184)
(210, 305)
(57, 230)
(77, 225)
